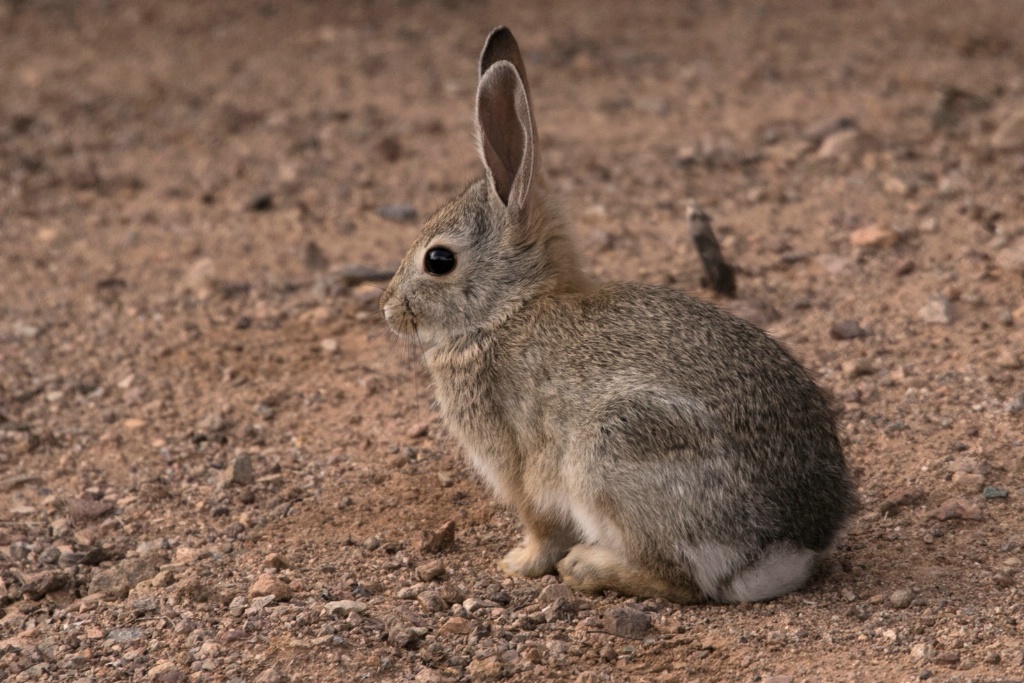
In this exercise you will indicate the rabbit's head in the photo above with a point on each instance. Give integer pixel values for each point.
(501, 243)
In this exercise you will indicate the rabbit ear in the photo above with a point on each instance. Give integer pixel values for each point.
(505, 133)
(501, 45)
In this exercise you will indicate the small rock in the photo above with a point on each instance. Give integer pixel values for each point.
(431, 601)
(757, 311)
(958, 508)
(88, 509)
(199, 279)
(267, 584)
(275, 561)
(439, 540)
(126, 635)
(354, 274)
(49, 555)
(1008, 359)
(853, 369)
(562, 609)
(487, 669)
(239, 472)
(429, 676)
(555, 592)
(116, 581)
(842, 144)
(968, 464)
(872, 236)
(457, 626)
(263, 201)
(476, 604)
(237, 606)
(991, 492)
(1015, 405)
(938, 311)
(43, 583)
(402, 634)
(1011, 257)
(272, 675)
(342, 608)
(901, 599)
(897, 186)
(431, 571)
(903, 498)
(258, 605)
(626, 622)
(847, 329)
(968, 482)
(777, 679)
(23, 330)
(418, 431)
(329, 345)
(921, 651)
(1009, 135)
(314, 258)
(166, 672)
(197, 590)
(409, 592)
(399, 213)
(905, 267)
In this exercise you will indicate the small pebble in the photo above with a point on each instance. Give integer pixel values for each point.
(938, 311)
(487, 669)
(267, 585)
(275, 561)
(853, 369)
(901, 599)
(430, 571)
(1009, 134)
(994, 492)
(431, 601)
(439, 540)
(958, 508)
(626, 622)
(968, 482)
(342, 608)
(847, 329)
(399, 213)
(873, 236)
(239, 472)
(264, 201)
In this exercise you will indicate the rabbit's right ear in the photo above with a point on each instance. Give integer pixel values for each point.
(505, 134)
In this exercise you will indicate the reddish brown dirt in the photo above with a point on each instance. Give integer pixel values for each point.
(164, 168)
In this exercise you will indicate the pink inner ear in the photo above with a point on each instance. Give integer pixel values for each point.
(504, 126)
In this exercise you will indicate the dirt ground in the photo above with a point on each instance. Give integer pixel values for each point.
(216, 464)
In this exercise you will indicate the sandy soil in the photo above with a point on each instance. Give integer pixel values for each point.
(217, 465)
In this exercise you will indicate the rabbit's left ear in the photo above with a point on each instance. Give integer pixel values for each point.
(505, 135)
(500, 46)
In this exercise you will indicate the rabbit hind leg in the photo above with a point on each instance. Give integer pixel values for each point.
(594, 568)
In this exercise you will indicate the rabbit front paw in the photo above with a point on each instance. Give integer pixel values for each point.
(535, 557)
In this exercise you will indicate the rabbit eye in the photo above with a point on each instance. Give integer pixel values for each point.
(439, 261)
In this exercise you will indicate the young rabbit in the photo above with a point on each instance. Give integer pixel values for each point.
(650, 443)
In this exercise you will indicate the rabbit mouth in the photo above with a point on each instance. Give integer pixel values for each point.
(400, 318)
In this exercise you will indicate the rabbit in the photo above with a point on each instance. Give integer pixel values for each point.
(650, 443)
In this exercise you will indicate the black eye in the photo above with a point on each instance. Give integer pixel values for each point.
(439, 261)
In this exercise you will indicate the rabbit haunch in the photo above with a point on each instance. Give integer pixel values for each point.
(649, 442)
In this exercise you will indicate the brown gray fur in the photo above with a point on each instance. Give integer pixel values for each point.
(650, 442)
